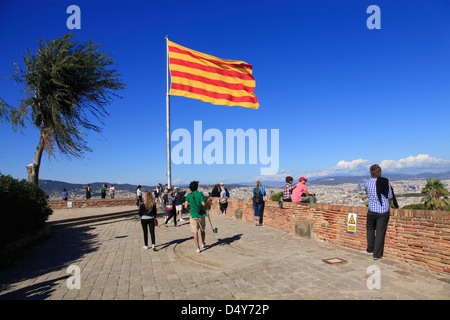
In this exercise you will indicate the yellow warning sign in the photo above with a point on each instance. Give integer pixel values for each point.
(352, 222)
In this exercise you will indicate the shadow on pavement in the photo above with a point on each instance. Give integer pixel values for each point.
(225, 241)
(57, 252)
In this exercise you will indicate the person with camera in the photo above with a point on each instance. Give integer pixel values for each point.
(196, 201)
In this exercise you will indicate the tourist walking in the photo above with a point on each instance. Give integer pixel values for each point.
(112, 191)
(88, 191)
(157, 193)
(215, 191)
(147, 212)
(103, 191)
(258, 202)
(223, 200)
(196, 201)
(160, 193)
(179, 201)
(379, 191)
(138, 195)
(169, 207)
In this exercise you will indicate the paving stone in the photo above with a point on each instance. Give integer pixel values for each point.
(240, 262)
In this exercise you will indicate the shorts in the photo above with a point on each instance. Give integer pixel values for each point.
(179, 207)
(197, 224)
(223, 204)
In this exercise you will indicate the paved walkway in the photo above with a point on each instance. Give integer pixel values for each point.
(241, 261)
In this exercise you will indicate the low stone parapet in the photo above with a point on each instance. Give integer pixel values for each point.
(415, 236)
(91, 203)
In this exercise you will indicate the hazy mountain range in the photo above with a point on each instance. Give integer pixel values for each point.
(51, 186)
(340, 179)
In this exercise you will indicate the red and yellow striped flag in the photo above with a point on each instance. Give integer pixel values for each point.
(207, 78)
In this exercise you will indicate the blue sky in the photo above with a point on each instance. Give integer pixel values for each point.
(341, 95)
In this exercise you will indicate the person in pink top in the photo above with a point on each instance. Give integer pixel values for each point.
(300, 189)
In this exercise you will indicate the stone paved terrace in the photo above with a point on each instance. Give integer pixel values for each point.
(241, 262)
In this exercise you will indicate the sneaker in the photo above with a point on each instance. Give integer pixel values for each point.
(182, 220)
(203, 245)
(198, 250)
(145, 247)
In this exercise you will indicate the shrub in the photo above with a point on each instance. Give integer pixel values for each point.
(277, 196)
(418, 206)
(24, 209)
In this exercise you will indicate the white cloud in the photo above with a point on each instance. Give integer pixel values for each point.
(354, 167)
(412, 164)
(421, 162)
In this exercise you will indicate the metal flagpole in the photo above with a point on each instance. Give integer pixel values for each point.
(169, 178)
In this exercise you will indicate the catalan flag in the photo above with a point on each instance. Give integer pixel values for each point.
(207, 78)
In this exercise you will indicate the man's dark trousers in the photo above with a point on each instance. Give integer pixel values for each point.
(376, 226)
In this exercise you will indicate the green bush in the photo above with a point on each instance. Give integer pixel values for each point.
(24, 209)
(417, 206)
(277, 196)
(422, 206)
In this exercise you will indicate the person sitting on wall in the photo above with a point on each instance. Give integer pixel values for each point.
(288, 188)
(301, 194)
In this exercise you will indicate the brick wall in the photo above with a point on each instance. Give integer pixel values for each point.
(92, 203)
(416, 236)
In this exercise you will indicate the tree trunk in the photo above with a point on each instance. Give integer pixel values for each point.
(33, 168)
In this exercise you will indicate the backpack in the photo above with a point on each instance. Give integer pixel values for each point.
(257, 197)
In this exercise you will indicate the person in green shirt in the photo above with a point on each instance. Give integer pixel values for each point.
(103, 191)
(196, 200)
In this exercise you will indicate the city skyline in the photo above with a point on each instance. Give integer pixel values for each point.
(341, 95)
(348, 194)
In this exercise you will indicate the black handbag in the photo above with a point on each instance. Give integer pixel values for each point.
(201, 209)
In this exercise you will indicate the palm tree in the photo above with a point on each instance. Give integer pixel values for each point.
(434, 191)
(64, 83)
